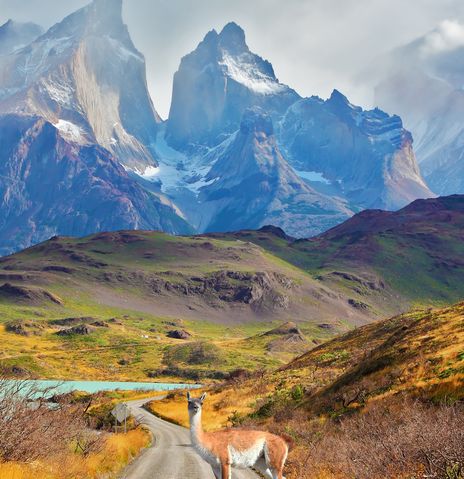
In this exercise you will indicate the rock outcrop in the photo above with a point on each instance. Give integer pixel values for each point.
(216, 83)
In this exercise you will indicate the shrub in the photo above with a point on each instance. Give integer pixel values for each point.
(405, 439)
(297, 393)
(190, 374)
(236, 419)
(31, 428)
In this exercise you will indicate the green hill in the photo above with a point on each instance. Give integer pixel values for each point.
(119, 296)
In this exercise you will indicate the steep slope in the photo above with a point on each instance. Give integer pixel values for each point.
(419, 353)
(251, 184)
(362, 158)
(216, 83)
(75, 113)
(422, 81)
(388, 261)
(85, 76)
(50, 186)
(365, 156)
(15, 35)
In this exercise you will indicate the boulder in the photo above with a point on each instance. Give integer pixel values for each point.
(178, 334)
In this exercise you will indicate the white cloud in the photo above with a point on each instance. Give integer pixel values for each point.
(448, 36)
(314, 45)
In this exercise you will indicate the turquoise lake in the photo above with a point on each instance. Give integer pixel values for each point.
(97, 386)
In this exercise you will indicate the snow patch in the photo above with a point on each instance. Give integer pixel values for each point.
(150, 174)
(38, 60)
(124, 53)
(248, 74)
(61, 93)
(69, 130)
(312, 176)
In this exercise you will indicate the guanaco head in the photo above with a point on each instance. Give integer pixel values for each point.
(195, 404)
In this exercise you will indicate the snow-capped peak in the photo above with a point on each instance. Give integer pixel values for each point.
(217, 82)
(86, 71)
(101, 17)
(69, 131)
(243, 66)
(244, 70)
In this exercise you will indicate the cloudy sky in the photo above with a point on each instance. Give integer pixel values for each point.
(314, 45)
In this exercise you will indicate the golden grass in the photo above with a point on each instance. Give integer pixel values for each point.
(118, 450)
(220, 405)
(426, 345)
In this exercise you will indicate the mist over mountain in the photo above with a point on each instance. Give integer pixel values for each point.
(366, 157)
(286, 246)
(239, 149)
(339, 153)
(252, 185)
(14, 35)
(422, 81)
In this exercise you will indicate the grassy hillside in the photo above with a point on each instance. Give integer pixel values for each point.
(327, 397)
(421, 353)
(121, 297)
(118, 297)
(391, 261)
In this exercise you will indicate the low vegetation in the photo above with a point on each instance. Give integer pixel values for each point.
(127, 299)
(221, 309)
(114, 452)
(396, 439)
(386, 400)
(132, 289)
(47, 436)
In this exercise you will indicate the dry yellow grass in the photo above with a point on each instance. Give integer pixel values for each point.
(117, 451)
(420, 353)
(220, 405)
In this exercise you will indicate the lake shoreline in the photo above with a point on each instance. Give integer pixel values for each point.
(92, 387)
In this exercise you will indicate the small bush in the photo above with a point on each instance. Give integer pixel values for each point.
(297, 393)
(196, 374)
(331, 357)
(236, 419)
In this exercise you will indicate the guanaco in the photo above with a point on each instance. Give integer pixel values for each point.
(236, 447)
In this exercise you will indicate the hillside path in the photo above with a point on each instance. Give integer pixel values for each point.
(171, 455)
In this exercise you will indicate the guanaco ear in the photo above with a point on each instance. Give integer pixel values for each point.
(188, 395)
(203, 397)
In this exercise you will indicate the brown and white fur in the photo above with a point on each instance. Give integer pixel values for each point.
(235, 447)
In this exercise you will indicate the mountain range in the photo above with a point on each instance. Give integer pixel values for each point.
(83, 148)
(422, 81)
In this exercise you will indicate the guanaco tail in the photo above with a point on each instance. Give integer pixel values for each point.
(236, 447)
